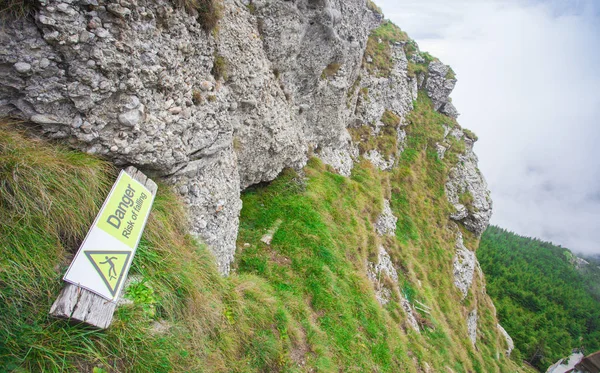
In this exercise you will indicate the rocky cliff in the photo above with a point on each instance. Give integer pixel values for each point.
(217, 109)
(142, 82)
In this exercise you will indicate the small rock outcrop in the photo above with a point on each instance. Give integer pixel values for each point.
(383, 293)
(386, 226)
(464, 266)
(386, 222)
(467, 189)
(510, 345)
(439, 85)
(376, 272)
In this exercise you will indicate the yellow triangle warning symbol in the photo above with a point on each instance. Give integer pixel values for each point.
(110, 265)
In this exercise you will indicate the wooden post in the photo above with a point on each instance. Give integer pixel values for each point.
(76, 303)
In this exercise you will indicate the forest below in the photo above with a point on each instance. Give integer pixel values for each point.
(547, 299)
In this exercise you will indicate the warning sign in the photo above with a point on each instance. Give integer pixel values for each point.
(110, 265)
(103, 260)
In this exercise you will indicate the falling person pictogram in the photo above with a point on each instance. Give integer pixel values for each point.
(111, 270)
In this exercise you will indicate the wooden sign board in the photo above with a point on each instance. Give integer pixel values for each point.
(98, 272)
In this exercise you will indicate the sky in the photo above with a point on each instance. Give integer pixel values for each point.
(529, 86)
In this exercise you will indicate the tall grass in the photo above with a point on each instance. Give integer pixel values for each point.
(11, 9)
(302, 303)
(49, 196)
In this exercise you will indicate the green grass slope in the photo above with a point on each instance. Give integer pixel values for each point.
(301, 304)
(547, 305)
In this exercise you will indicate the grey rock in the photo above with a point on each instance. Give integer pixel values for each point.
(375, 273)
(44, 119)
(386, 222)
(85, 36)
(268, 237)
(509, 341)
(22, 67)
(569, 364)
(131, 102)
(44, 63)
(394, 92)
(383, 293)
(464, 266)
(213, 198)
(441, 150)
(417, 58)
(439, 87)
(102, 32)
(118, 10)
(410, 313)
(206, 85)
(77, 122)
(379, 161)
(250, 103)
(341, 159)
(131, 118)
(175, 110)
(449, 109)
(578, 262)
(304, 107)
(465, 178)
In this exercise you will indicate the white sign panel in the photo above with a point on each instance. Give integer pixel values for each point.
(104, 258)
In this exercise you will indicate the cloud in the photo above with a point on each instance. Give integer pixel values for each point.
(528, 85)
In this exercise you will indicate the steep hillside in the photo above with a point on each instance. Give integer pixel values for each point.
(214, 107)
(307, 301)
(546, 297)
(319, 207)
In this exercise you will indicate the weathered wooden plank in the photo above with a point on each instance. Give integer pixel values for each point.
(76, 303)
(82, 305)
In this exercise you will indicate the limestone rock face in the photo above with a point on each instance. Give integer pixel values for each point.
(303, 40)
(439, 85)
(395, 92)
(139, 82)
(467, 190)
(383, 293)
(376, 272)
(375, 94)
(135, 82)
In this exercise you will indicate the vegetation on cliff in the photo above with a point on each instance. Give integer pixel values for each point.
(545, 303)
(301, 303)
